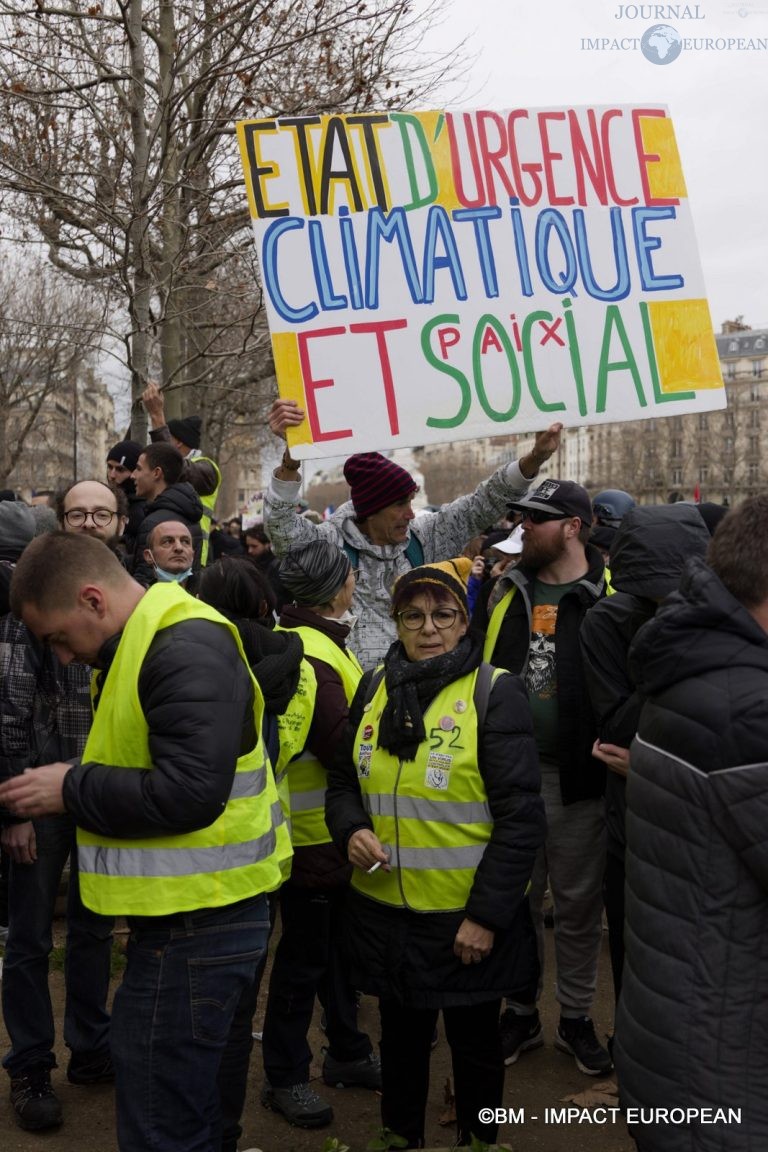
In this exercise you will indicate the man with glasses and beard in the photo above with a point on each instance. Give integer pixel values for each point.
(532, 622)
(45, 715)
(94, 509)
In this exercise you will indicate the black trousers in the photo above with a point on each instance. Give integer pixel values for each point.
(472, 1033)
(308, 963)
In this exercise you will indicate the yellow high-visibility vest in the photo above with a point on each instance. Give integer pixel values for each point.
(239, 855)
(305, 774)
(430, 814)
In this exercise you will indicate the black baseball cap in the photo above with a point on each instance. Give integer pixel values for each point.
(559, 498)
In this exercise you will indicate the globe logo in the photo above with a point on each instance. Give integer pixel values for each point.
(661, 44)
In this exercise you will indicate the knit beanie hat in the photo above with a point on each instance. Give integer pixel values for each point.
(17, 528)
(450, 574)
(314, 573)
(376, 482)
(126, 453)
(187, 430)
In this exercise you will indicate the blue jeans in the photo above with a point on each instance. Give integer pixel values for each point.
(171, 1019)
(32, 891)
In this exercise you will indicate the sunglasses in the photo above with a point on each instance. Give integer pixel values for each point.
(537, 517)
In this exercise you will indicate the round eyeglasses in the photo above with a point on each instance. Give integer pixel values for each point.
(412, 619)
(76, 517)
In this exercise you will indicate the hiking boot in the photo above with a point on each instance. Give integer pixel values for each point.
(87, 1068)
(578, 1037)
(365, 1073)
(299, 1105)
(519, 1034)
(35, 1104)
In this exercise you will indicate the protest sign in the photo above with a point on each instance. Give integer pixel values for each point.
(445, 275)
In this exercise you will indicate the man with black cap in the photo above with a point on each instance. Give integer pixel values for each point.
(378, 528)
(532, 628)
(202, 472)
(121, 461)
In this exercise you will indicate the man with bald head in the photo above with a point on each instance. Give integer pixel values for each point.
(170, 551)
(45, 714)
(94, 509)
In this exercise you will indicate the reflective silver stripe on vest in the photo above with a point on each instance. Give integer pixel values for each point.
(437, 811)
(278, 816)
(444, 859)
(134, 862)
(247, 784)
(306, 801)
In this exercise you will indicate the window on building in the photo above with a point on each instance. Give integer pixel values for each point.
(730, 370)
(753, 473)
(754, 445)
(703, 421)
(677, 475)
(754, 418)
(757, 370)
(241, 495)
(733, 346)
(728, 419)
(727, 475)
(760, 342)
(727, 444)
(703, 474)
(677, 449)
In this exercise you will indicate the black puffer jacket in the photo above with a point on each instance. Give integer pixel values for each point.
(692, 1028)
(197, 697)
(648, 555)
(409, 955)
(581, 776)
(178, 502)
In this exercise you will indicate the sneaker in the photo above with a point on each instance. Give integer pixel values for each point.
(299, 1105)
(86, 1068)
(519, 1034)
(365, 1073)
(35, 1104)
(578, 1037)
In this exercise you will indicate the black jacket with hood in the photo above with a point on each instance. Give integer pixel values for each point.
(648, 556)
(692, 1026)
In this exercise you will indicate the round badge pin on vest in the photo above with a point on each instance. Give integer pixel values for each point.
(367, 732)
(447, 723)
(460, 706)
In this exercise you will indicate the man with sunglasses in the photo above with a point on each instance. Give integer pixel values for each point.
(532, 624)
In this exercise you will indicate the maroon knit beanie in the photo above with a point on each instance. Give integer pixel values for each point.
(376, 482)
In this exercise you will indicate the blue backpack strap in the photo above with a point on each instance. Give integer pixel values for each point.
(352, 554)
(414, 552)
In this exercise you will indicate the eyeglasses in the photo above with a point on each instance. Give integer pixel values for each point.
(412, 619)
(537, 517)
(101, 517)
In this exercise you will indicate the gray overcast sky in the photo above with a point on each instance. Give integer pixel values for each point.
(531, 54)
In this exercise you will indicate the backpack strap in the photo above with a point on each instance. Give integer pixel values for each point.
(352, 554)
(414, 552)
(482, 693)
(373, 683)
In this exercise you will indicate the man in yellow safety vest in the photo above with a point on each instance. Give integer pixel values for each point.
(177, 816)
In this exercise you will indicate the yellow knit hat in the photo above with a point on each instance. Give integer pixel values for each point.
(450, 574)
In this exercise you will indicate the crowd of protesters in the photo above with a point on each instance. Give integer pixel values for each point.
(393, 733)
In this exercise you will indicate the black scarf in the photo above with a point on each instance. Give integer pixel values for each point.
(412, 686)
(274, 657)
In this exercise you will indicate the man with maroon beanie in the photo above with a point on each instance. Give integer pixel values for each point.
(378, 528)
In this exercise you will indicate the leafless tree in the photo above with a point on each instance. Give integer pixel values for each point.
(117, 145)
(49, 329)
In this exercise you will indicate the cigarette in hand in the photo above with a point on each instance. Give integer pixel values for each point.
(373, 867)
